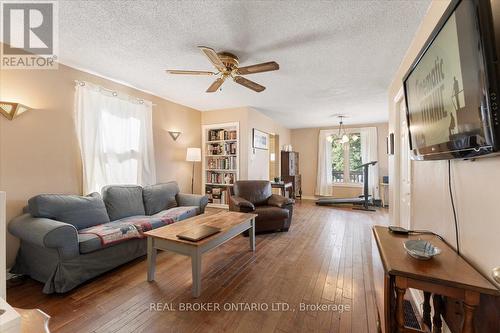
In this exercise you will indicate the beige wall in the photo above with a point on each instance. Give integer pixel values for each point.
(475, 183)
(259, 158)
(39, 150)
(305, 142)
(251, 160)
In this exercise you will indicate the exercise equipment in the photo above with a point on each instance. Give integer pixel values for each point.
(362, 202)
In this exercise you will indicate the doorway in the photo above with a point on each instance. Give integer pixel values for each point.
(274, 158)
(400, 166)
(404, 170)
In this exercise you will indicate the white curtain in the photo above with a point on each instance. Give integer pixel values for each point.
(324, 175)
(369, 153)
(115, 133)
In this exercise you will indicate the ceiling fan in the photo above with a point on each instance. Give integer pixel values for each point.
(227, 66)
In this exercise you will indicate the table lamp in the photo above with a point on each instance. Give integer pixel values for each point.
(193, 155)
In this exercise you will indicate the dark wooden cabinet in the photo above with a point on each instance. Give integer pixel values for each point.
(290, 171)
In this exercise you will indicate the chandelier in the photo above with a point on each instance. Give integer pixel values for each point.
(342, 136)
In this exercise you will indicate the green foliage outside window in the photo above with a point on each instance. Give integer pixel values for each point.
(340, 159)
(355, 153)
(337, 155)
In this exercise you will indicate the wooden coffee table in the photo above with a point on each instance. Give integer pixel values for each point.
(165, 238)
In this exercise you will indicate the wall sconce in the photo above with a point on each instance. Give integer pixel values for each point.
(12, 110)
(174, 134)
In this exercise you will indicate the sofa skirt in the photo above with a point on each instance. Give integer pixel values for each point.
(61, 275)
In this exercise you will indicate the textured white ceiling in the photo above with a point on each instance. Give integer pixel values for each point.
(335, 56)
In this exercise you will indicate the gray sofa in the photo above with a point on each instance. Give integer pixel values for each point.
(56, 251)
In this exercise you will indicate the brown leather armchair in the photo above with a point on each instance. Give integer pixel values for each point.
(255, 196)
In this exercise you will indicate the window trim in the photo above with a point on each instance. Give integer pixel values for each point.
(344, 184)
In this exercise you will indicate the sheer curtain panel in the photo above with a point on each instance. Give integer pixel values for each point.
(369, 153)
(115, 133)
(324, 179)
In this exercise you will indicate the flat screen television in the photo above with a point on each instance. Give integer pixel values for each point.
(452, 88)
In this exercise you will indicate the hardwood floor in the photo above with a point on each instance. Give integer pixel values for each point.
(325, 258)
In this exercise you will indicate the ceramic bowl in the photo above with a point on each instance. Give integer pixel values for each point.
(421, 249)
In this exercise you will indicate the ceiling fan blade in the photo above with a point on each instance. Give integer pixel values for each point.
(216, 85)
(259, 68)
(249, 84)
(214, 58)
(183, 72)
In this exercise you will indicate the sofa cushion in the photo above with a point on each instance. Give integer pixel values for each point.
(178, 213)
(81, 212)
(89, 243)
(159, 197)
(123, 201)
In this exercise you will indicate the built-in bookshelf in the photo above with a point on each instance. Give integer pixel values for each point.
(220, 161)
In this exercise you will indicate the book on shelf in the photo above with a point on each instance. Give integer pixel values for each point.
(229, 178)
(225, 148)
(221, 134)
(230, 148)
(214, 177)
(222, 163)
(217, 195)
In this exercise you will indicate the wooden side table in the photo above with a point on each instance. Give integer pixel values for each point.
(447, 274)
(283, 186)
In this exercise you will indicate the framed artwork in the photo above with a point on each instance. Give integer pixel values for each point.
(260, 139)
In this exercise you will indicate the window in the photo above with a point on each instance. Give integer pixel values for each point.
(120, 154)
(115, 133)
(346, 159)
(338, 162)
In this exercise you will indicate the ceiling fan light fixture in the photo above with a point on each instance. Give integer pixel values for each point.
(227, 65)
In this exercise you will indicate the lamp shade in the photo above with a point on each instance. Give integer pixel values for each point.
(193, 155)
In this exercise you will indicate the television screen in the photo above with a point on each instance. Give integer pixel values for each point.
(446, 92)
